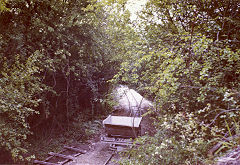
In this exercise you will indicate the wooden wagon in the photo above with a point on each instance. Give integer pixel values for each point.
(122, 126)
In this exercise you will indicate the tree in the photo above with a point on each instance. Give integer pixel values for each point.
(65, 50)
(190, 68)
(18, 98)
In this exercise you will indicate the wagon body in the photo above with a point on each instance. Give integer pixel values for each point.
(122, 126)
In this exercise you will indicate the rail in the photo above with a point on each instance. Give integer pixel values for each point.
(69, 153)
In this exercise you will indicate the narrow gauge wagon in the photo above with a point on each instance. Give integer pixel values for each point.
(122, 126)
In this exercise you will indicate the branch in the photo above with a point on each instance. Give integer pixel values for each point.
(223, 111)
(54, 79)
(198, 87)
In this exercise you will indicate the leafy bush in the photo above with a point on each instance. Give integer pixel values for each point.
(18, 98)
(180, 139)
(76, 62)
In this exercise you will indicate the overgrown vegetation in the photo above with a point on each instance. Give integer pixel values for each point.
(188, 62)
(79, 132)
(57, 58)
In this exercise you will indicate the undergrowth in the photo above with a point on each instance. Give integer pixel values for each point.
(52, 140)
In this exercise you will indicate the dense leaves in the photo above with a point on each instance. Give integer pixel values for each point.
(56, 58)
(18, 92)
(189, 65)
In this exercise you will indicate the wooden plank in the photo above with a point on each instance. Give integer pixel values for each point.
(118, 148)
(75, 149)
(120, 144)
(48, 158)
(108, 138)
(43, 163)
(61, 156)
(75, 155)
(64, 162)
(120, 140)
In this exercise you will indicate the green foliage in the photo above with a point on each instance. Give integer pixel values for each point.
(187, 71)
(56, 58)
(232, 141)
(188, 64)
(18, 97)
(180, 139)
(92, 127)
(217, 20)
(53, 140)
(3, 6)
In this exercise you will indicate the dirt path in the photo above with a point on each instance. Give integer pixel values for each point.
(97, 155)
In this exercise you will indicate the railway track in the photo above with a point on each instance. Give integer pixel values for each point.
(70, 153)
(117, 145)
